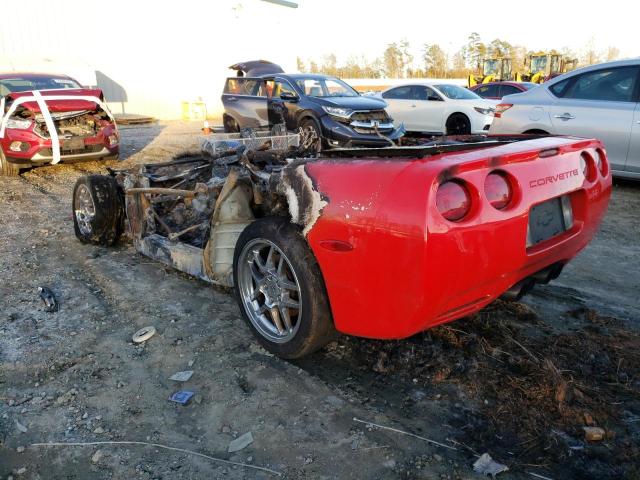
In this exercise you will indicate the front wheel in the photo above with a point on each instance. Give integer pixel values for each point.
(312, 130)
(279, 288)
(458, 124)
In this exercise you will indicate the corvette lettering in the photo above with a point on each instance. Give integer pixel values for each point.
(553, 178)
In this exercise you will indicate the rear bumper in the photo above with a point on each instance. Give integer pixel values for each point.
(342, 135)
(409, 268)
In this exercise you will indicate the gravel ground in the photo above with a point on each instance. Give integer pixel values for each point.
(75, 375)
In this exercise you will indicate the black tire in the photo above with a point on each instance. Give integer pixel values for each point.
(230, 125)
(101, 194)
(458, 124)
(535, 131)
(311, 124)
(314, 324)
(8, 169)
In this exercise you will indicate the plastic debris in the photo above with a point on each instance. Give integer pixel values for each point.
(21, 427)
(181, 376)
(49, 299)
(143, 334)
(593, 434)
(182, 397)
(241, 442)
(485, 465)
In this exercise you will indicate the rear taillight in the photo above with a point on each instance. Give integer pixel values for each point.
(498, 190)
(501, 108)
(601, 162)
(588, 167)
(453, 200)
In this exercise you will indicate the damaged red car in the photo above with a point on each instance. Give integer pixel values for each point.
(374, 242)
(52, 118)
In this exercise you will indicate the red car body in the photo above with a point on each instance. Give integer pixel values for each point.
(30, 146)
(497, 90)
(393, 266)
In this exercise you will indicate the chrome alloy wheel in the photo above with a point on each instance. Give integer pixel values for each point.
(269, 290)
(84, 209)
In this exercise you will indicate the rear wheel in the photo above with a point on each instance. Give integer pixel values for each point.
(8, 169)
(279, 289)
(98, 210)
(458, 124)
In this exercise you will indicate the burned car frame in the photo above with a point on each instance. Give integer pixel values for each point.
(374, 242)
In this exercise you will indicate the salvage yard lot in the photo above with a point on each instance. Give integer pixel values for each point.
(518, 381)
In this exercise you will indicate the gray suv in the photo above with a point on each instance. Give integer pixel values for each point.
(599, 101)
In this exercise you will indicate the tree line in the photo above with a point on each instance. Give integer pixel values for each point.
(397, 60)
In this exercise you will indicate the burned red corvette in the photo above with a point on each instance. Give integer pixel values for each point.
(375, 242)
(48, 118)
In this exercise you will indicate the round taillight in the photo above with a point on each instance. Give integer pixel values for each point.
(498, 190)
(587, 165)
(453, 200)
(601, 162)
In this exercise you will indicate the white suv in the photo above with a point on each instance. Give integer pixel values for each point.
(600, 101)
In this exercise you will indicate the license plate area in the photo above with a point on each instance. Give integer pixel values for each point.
(549, 219)
(74, 143)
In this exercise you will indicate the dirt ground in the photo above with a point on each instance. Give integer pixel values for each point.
(518, 381)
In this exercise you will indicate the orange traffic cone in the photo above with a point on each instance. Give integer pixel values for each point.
(206, 129)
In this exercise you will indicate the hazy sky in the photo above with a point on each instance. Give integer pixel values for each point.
(348, 27)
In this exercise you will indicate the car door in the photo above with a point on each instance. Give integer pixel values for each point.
(598, 104)
(429, 110)
(633, 159)
(400, 105)
(282, 110)
(244, 99)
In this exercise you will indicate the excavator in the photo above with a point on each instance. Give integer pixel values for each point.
(494, 69)
(544, 66)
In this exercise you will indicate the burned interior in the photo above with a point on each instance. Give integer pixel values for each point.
(188, 212)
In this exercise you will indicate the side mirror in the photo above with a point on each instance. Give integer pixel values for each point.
(288, 96)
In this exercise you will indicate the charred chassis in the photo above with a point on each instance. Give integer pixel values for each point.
(356, 241)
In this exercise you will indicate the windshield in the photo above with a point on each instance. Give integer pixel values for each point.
(455, 92)
(492, 66)
(26, 84)
(538, 64)
(325, 87)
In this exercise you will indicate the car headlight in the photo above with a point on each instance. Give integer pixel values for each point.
(18, 124)
(484, 111)
(338, 111)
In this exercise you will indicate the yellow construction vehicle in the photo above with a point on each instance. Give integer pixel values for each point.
(543, 66)
(494, 69)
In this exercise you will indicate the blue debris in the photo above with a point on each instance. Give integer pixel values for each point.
(182, 397)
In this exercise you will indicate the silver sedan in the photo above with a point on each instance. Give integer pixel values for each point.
(599, 101)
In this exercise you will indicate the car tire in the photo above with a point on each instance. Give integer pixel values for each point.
(280, 290)
(8, 169)
(230, 124)
(98, 210)
(458, 124)
(310, 124)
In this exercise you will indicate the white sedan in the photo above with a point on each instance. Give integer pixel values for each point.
(438, 108)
